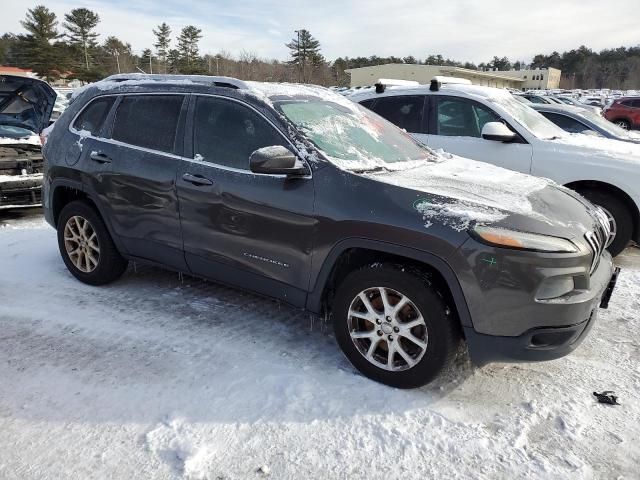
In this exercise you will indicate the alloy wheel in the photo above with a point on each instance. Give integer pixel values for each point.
(81, 244)
(387, 328)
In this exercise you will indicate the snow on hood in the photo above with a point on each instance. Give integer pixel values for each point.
(475, 191)
(600, 147)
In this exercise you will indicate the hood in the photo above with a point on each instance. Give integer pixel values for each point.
(25, 103)
(458, 192)
(591, 146)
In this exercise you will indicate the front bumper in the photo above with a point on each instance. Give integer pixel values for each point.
(535, 345)
(20, 191)
(510, 323)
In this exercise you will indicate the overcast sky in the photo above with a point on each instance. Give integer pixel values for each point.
(465, 30)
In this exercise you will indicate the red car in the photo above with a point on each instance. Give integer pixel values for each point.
(624, 112)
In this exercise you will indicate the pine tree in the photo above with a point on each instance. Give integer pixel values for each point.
(120, 52)
(37, 47)
(188, 46)
(146, 60)
(173, 61)
(81, 23)
(305, 51)
(163, 36)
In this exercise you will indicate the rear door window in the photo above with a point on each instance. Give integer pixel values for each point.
(148, 121)
(92, 117)
(405, 111)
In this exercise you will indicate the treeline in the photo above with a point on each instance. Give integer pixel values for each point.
(69, 48)
(617, 68)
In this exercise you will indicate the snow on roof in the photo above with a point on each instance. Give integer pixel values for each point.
(469, 90)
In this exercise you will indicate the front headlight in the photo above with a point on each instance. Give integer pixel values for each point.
(501, 237)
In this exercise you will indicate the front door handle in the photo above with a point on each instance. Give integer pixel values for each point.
(99, 157)
(196, 179)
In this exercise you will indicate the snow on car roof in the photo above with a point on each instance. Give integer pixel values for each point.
(468, 90)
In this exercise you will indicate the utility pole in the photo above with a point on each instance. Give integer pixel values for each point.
(116, 54)
(298, 48)
(150, 65)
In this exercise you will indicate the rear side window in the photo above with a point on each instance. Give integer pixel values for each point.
(92, 117)
(227, 133)
(404, 111)
(148, 121)
(568, 124)
(368, 103)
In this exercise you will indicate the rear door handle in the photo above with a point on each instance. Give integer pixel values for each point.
(196, 179)
(100, 157)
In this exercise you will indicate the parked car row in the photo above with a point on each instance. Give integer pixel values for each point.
(578, 120)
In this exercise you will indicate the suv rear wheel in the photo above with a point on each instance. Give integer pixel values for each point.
(623, 124)
(393, 326)
(86, 246)
(620, 218)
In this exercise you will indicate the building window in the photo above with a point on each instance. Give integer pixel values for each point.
(541, 77)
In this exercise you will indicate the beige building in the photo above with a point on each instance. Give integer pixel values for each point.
(361, 77)
(539, 79)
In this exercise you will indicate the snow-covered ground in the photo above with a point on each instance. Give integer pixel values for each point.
(158, 377)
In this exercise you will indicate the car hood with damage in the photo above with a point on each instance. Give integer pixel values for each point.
(25, 102)
(459, 193)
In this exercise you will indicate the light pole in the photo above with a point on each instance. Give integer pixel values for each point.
(298, 57)
(116, 54)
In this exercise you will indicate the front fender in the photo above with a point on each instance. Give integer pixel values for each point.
(314, 299)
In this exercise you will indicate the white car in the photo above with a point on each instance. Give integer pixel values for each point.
(490, 125)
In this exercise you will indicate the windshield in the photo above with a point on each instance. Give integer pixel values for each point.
(351, 136)
(530, 119)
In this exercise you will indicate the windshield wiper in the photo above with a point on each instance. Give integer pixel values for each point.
(368, 170)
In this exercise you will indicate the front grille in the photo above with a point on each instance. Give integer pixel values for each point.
(597, 240)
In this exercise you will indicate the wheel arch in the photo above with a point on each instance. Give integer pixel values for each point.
(65, 191)
(582, 185)
(351, 254)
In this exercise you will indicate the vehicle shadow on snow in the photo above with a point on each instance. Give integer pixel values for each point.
(183, 346)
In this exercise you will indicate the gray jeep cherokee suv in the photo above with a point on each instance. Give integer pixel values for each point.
(297, 193)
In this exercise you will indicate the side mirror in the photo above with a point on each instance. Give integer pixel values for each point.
(498, 132)
(276, 160)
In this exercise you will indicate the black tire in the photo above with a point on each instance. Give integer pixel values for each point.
(620, 212)
(443, 333)
(622, 123)
(110, 264)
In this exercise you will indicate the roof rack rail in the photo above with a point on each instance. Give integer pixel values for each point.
(439, 80)
(216, 81)
(383, 83)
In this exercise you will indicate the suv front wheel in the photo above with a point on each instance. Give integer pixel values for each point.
(620, 219)
(86, 246)
(393, 326)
